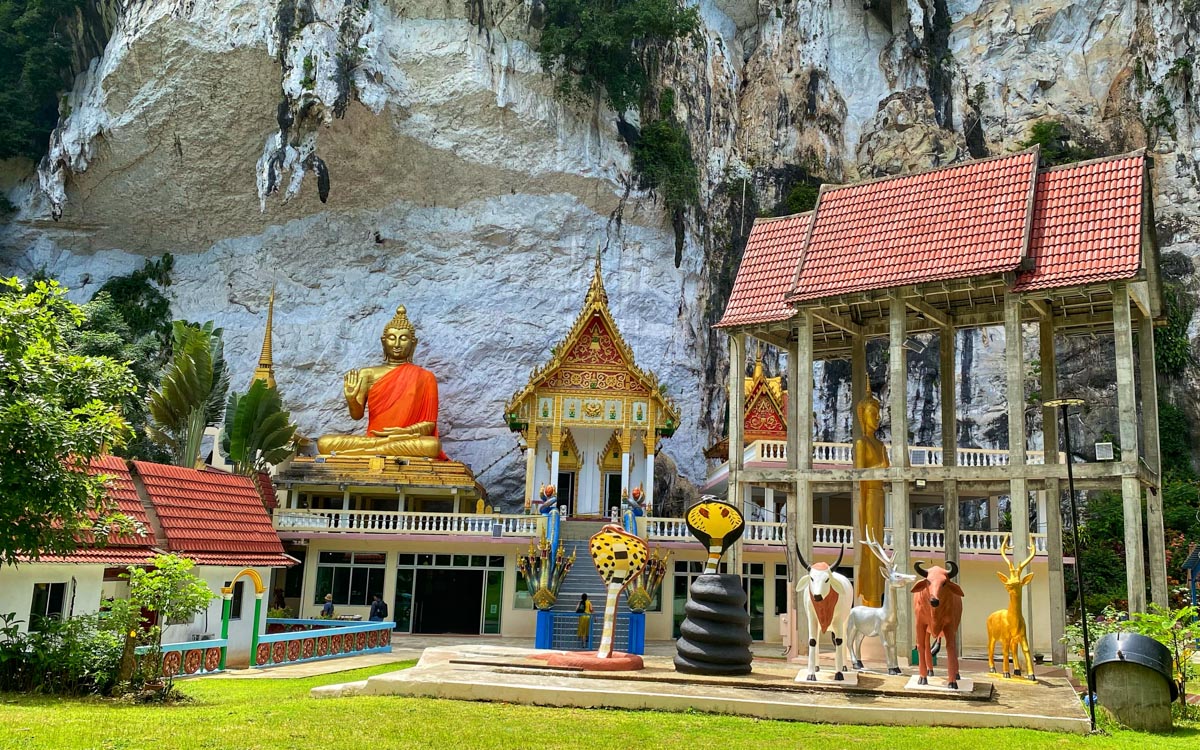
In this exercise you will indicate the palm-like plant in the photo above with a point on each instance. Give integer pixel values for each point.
(258, 432)
(192, 392)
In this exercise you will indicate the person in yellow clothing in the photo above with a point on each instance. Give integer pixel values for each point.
(584, 610)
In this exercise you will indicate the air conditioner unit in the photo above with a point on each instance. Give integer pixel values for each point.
(1104, 452)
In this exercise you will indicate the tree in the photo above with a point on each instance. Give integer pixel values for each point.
(191, 395)
(258, 432)
(58, 410)
(170, 590)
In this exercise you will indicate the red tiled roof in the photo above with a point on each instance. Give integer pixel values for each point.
(210, 512)
(266, 489)
(126, 549)
(764, 277)
(950, 223)
(1087, 223)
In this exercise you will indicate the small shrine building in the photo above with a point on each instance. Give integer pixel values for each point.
(591, 418)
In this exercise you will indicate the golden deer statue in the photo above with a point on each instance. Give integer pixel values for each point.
(1008, 625)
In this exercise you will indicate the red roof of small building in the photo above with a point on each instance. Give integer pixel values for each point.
(1087, 223)
(212, 517)
(764, 277)
(1084, 225)
(126, 549)
(950, 223)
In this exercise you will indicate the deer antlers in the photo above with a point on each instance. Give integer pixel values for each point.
(1006, 545)
(878, 550)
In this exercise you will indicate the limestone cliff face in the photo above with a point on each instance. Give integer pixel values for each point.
(360, 154)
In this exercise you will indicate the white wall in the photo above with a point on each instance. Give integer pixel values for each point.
(209, 621)
(16, 587)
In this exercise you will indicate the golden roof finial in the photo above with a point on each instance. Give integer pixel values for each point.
(266, 369)
(596, 292)
(758, 362)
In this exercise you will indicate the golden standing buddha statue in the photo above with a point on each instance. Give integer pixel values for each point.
(400, 399)
(869, 453)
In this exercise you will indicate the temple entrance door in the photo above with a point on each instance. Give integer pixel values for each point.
(566, 491)
(612, 492)
(448, 601)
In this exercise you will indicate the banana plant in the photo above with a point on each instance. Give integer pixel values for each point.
(192, 392)
(258, 432)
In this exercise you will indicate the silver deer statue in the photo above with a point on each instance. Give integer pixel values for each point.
(878, 621)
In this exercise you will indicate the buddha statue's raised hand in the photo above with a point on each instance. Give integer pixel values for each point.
(352, 383)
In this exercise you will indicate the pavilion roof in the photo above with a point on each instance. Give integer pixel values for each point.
(1052, 228)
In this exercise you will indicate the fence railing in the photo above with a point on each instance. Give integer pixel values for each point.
(842, 454)
(404, 522)
(826, 535)
(310, 640)
(190, 658)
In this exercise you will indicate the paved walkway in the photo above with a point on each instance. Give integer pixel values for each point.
(410, 647)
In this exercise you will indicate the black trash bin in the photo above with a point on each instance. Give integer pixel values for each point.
(1134, 680)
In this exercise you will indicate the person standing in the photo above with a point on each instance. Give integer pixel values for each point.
(584, 610)
(379, 610)
(327, 610)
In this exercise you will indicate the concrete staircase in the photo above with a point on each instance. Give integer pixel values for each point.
(582, 579)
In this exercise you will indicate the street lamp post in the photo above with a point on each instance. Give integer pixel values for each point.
(1063, 404)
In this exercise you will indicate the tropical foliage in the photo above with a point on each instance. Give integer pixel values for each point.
(35, 62)
(58, 410)
(191, 395)
(258, 431)
(172, 592)
(600, 47)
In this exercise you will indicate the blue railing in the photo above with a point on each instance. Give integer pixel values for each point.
(190, 658)
(310, 640)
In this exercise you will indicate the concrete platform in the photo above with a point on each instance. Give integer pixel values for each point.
(499, 673)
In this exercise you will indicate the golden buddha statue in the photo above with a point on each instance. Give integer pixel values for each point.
(869, 453)
(400, 398)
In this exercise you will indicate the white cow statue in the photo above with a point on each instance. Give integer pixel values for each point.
(827, 598)
(878, 621)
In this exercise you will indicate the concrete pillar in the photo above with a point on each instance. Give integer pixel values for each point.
(947, 341)
(625, 471)
(1050, 444)
(737, 440)
(769, 503)
(531, 441)
(1014, 367)
(993, 503)
(648, 489)
(858, 385)
(798, 529)
(898, 498)
(1131, 490)
(1154, 501)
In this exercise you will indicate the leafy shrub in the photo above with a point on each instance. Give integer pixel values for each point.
(1172, 345)
(598, 46)
(1055, 143)
(77, 656)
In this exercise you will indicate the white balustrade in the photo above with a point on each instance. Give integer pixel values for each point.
(393, 522)
(842, 454)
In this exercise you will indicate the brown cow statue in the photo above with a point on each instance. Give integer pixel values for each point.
(937, 606)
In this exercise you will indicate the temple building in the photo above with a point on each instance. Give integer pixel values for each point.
(1005, 243)
(591, 419)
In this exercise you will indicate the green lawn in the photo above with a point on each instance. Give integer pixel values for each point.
(235, 714)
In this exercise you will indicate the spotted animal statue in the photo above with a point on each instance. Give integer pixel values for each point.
(878, 622)
(827, 597)
(937, 606)
(619, 558)
(1008, 625)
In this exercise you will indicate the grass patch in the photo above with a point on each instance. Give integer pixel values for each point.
(263, 713)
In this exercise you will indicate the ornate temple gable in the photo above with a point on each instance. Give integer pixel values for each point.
(592, 378)
(763, 417)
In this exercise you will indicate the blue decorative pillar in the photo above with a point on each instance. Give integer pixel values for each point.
(544, 634)
(637, 633)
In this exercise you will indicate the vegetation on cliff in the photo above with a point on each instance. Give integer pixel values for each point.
(35, 61)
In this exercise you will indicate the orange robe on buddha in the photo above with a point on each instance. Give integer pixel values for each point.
(406, 395)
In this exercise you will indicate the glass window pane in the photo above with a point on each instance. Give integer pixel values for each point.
(324, 585)
(681, 566)
(756, 569)
(461, 561)
(780, 571)
(443, 561)
(425, 560)
(492, 602)
(521, 598)
(369, 558)
(358, 587)
(329, 558)
(407, 560)
(479, 561)
(374, 584)
(341, 585)
(496, 561)
(402, 612)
